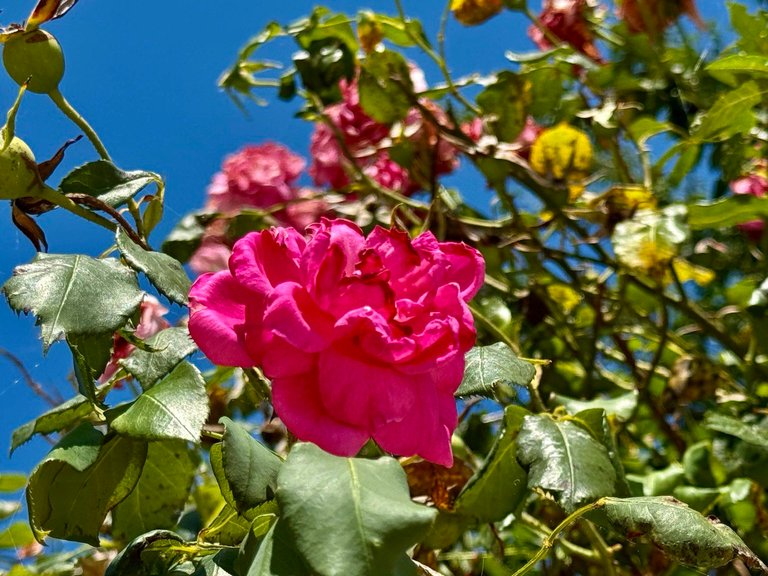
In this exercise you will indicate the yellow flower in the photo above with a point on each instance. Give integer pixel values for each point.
(563, 153)
(472, 12)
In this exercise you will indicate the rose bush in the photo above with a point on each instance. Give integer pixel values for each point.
(362, 338)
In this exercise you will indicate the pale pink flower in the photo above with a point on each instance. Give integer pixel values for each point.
(361, 337)
(754, 185)
(151, 321)
(257, 177)
(214, 250)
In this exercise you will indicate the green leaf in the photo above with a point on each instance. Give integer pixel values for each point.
(487, 366)
(185, 238)
(63, 416)
(228, 528)
(725, 69)
(750, 433)
(149, 554)
(374, 519)
(107, 182)
(731, 114)
(165, 272)
(81, 479)
(399, 32)
(250, 468)
(622, 407)
(161, 492)
(12, 481)
(680, 532)
(500, 485)
(566, 460)
(385, 86)
(90, 355)
(168, 348)
(645, 127)
(505, 102)
(277, 555)
(660, 482)
(173, 409)
(9, 508)
(74, 294)
(16, 536)
(727, 212)
(595, 421)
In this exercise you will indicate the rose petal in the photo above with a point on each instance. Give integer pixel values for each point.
(216, 315)
(262, 260)
(293, 315)
(298, 402)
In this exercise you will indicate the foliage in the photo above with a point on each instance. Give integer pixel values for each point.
(611, 416)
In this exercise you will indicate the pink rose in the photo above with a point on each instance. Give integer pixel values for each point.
(367, 142)
(755, 185)
(151, 322)
(261, 177)
(361, 337)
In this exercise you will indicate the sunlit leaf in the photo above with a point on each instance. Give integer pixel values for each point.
(564, 459)
(74, 294)
(488, 366)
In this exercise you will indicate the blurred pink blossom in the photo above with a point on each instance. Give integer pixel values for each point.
(151, 322)
(754, 185)
(567, 21)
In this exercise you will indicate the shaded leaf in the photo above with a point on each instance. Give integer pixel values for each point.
(505, 103)
(186, 236)
(250, 467)
(384, 85)
(500, 485)
(81, 479)
(63, 416)
(161, 492)
(566, 460)
(165, 272)
(90, 355)
(751, 433)
(107, 182)
(277, 555)
(173, 409)
(150, 553)
(682, 533)
(375, 520)
(74, 294)
(486, 366)
(168, 348)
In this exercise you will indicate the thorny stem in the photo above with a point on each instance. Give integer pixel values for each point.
(70, 112)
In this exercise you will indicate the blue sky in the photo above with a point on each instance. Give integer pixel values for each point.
(144, 75)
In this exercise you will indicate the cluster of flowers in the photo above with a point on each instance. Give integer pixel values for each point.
(571, 21)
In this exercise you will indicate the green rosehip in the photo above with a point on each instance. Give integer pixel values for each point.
(19, 176)
(35, 56)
